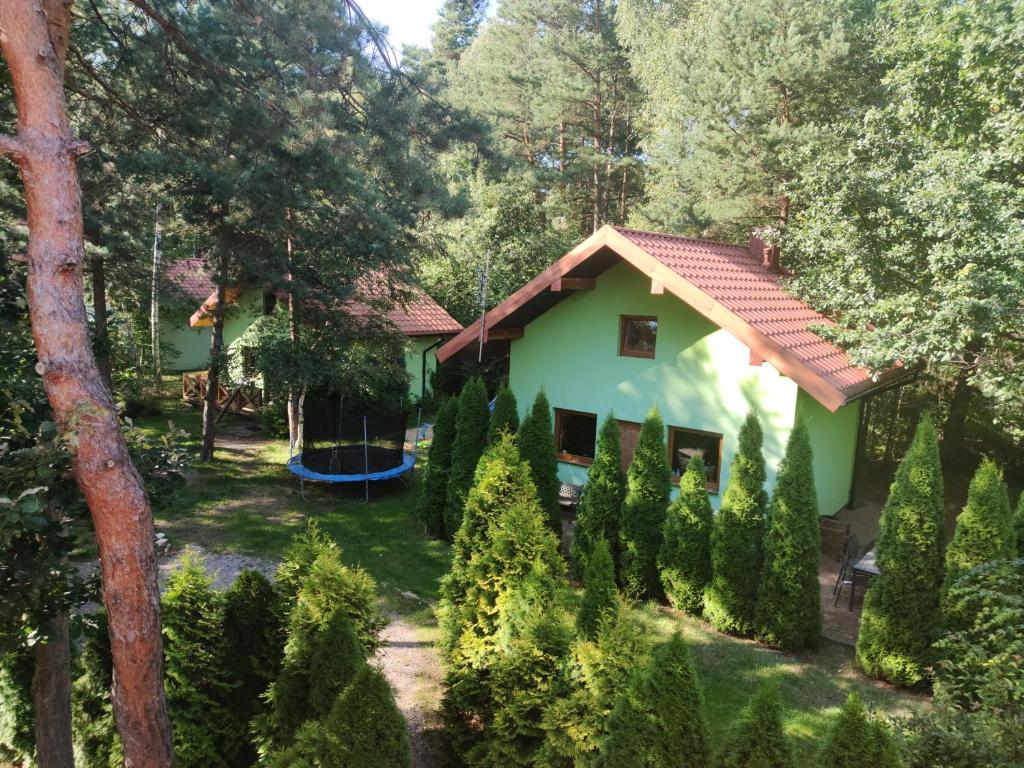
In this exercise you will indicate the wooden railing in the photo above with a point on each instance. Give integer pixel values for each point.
(244, 398)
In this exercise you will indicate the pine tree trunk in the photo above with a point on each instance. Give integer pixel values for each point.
(51, 696)
(33, 40)
(213, 377)
(154, 301)
(99, 312)
(596, 213)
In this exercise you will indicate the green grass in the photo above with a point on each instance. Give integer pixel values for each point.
(248, 502)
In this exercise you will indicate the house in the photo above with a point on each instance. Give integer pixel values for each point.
(185, 330)
(704, 330)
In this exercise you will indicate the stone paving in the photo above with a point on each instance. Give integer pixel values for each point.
(840, 622)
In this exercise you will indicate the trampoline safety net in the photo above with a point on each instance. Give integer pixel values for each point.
(341, 438)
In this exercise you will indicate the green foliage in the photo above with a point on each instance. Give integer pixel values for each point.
(684, 561)
(757, 740)
(984, 529)
(1018, 525)
(536, 442)
(274, 418)
(901, 606)
(599, 593)
(17, 734)
(430, 507)
(302, 551)
(658, 721)
(737, 538)
(789, 596)
(470, 441)
(504, 417)
(97, 743)
(648, 486)
(858, 739)
(196, 681)
(600, 507)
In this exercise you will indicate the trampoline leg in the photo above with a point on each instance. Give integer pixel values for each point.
(302, 488)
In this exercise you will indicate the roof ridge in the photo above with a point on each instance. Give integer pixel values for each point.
(652, 233)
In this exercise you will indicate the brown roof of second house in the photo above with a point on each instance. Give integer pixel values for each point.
(728, 284)
(191, 277)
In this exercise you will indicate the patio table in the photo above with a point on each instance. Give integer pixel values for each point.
(868, 566)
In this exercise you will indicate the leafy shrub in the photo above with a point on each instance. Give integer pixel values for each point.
(948, 736)
(648, 485)
(857, 739)
(659, 720)
(17, 736)
(470, 440)
(537, 445)
(737, 538)
(274, 417)
(504, 417)
(984, 529)
(599, 592)
(684, 561)
(600, 506)
(1018, 525)
(757, 740)
(789, 596)
(901, 606)
(430, 507)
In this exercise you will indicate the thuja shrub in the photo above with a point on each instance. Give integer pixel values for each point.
(97, 744)
(470, 440)
(17, 737)
(648, 485)
(504, 417)
(430, 507)
(303, 549)
(730, 600)
(789, 596)
(659, 719)
(599, 592)
(857, 739)
(684, 561)
(901, 608)
(600, 506)
(984, 529)
(757, 739)
(537, 447)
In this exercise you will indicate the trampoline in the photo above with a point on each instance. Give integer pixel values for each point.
(348, 443)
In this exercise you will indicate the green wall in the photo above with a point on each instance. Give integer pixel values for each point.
(834, 443)
(701, 377)
(414, 362)
(184, 348)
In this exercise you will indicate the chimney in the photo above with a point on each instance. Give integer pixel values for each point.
(767, 254)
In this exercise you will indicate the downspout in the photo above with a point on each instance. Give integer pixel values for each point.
(423, 371)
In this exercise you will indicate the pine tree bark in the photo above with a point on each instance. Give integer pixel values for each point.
(99, 312)
(33, 41)
(51, 696)
(213, 377)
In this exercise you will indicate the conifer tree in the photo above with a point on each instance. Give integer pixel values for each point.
(684, 561)
(789, 596)
(600, 507)
(648, 485)
(737, 537)
(537, 446)
(599, 592)
(430, 507)
(1018, 525)
(985, 528)
(658, 720)
(504, 417)
(470, 441)
(899, 622)
(857, 739)
(758, 739)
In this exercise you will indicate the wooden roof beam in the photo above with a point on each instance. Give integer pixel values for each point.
(573, 284)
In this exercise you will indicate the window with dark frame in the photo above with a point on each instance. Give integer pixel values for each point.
(684, 444)
(575, 436)
(637, 336)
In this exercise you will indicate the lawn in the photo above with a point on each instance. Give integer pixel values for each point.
(245, 501)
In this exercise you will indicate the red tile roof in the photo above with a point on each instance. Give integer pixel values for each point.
(191, 277)
(726, 284)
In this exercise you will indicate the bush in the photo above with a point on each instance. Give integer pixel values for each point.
(684, 561)
(984, 529)
(856, 740)
(901, 607)
(470, 441)
(600, 507)
(430, 507)
(17, 735)
(658, 720)
(196, 680)
(730, 601)
(1018, 525)
(648, 486)
(757, 740)
(274, 418)
(97, 744)
(599, 593)
(789, 596)
(537, 446)
(504, 417)
(302, 551)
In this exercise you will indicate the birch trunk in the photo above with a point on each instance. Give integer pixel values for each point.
(154, 301)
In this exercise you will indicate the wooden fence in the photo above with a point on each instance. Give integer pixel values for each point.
(244, 398)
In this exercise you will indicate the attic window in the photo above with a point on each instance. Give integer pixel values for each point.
(684, 444)
(637, 336)
(575, 436)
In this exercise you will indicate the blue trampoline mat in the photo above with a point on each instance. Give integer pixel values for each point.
(296, 468)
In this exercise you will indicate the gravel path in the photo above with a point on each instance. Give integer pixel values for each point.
(223, 567)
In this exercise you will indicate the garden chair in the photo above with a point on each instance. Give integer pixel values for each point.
(848, 575)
